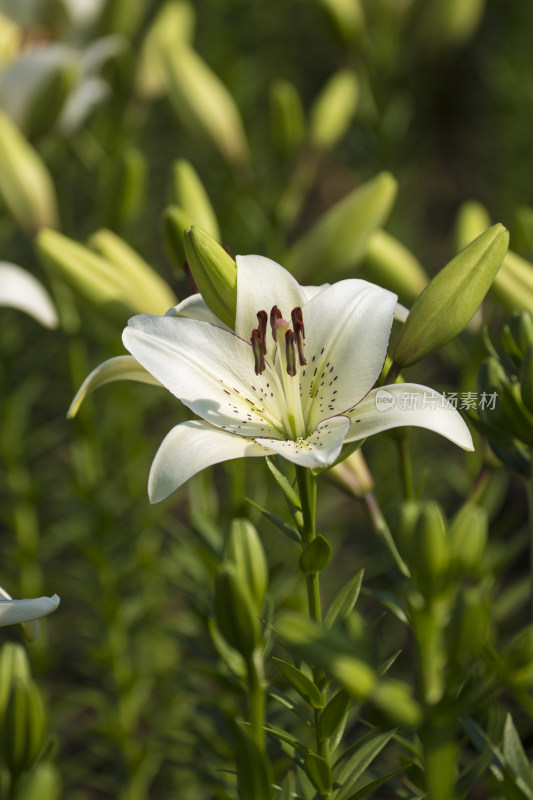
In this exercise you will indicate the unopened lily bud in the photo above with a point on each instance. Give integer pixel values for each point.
(287, 119)
(526, 379)
(245, 551)
(347, 17)
(214, 272)
(468, 538)
(353, 474)
(125, 187)
(22, 727)
(405, 528)
(451, 298)
(188, 192)
(174, 20)
(452, 22)
(472, 219)
(43, 782)
(175, 222)
(430, 556)
(333, 110)
(469, 626)
(390, 264)
(151, 291)
(203, 103)
(338, 240)
(25, 183)
(235, 611)
(121, 16)
(522, 232)
(14, 667)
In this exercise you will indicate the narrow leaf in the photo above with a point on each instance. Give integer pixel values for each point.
(283, 482)
(303, 685)
(280, 523)
(344, 601)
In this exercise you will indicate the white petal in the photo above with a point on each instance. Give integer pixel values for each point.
(401, 313)
(191, 447)
(319, 450)
(408, 404)
(312, 291)
(15, 611)
(19, 289)
(121, 368)
(262, 284)
(347, 329)
(195, 307)
(209, 369)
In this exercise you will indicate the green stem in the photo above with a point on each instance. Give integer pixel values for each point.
(256, 701)
(379, 523)
(406, 469)
(530, 524)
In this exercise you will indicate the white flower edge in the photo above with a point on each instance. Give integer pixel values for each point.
(26, 612)
(20, 290)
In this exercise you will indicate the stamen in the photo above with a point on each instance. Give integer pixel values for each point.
(262, 319)
(290, 353)
(299, 333)
(259, 355)
(190, 280)
(275, 315)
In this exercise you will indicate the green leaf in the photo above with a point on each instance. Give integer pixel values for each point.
(368, 788)
(287, 702)
(318, 771)
(303, 685)
(334, 715)
(283, 482)
(283, 736)
(315, 557)
(235, 611)
(344, 601)
(280, 523)
(364, 751)
(515, 756)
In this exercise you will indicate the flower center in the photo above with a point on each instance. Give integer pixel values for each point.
(288, 343)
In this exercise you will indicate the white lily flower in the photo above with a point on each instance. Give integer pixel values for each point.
(19, 289)
(28, 612)
(295, 378)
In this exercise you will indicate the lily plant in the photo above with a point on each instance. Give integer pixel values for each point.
(295, 377)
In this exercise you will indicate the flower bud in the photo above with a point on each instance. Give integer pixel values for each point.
(235, 611)
(522, 232)
(22, 727)
(151, 292)
(214, 272)
(430, 555)
(25, 183)
(287, 119)
(187, 192)
(469, 627)
(389, 263)
(245, 551)
(124, 187)
(203, 104)
(121, 16)
(175, 222)
(14, 666)
(174, 20)
(451, 298)
(468, 538)
(347, 17)
(353, 475)
(405, 532)
(472, 219)
(338, 240)
(333, 110)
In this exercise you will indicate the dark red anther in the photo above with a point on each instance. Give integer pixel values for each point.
(190, 280)
(275, 315)
(230, 254)
(262, 319)
(257, 347)
(299, 333)
(290, 353)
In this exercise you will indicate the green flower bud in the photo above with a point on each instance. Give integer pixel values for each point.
(203, 104)
(353, 475)
(175, 18)
(235, 611)
(522, 233)
(406, 526)
(453, 22)
(187, 192)
(124, 187)
(469, 627)
(430, 556)
(214, 272)
(339, 239)
(389, 263)
(14, 666)
(394, 699)
(468, 538)
(175, 222)
(25, 183)
(526, 379)
(347, 17)
(472, 219)
(22, 727)
(245, 551)
(333, 110)
(287, 119)
(451, 298)
(43, 783)
(121, 16)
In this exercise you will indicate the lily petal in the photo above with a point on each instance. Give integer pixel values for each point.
(408, 404)
(401, 313)
(19, 289)
(15, 611)
(262, 284)
(209, 369)
(347, 329)
(195, 307)
(191, 447)
(318, 450)
(121, 368)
